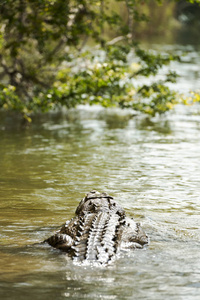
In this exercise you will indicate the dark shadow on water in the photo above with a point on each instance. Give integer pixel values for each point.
(73, 118)
(115, 120)
(160, 125)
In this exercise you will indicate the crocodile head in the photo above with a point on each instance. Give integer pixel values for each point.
(95, 201)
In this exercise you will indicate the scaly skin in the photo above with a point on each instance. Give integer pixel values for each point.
(99, 231)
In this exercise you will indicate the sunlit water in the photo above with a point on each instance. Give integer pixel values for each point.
(152, 168)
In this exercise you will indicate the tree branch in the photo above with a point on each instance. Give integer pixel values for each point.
(130, 20)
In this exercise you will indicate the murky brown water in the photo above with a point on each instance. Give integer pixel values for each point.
(151, 167)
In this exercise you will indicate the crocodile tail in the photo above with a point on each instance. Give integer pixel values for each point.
(95, 236)
(80, 244)
(111, 238)
(98, 237)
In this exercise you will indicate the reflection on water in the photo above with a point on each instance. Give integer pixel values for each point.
(152, 169)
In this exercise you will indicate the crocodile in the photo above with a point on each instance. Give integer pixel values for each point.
(99, 231)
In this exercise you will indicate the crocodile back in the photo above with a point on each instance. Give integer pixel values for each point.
(98, 231)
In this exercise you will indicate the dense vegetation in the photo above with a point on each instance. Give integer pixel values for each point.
(56, 53)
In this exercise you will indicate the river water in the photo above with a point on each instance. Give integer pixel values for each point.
(151, 167)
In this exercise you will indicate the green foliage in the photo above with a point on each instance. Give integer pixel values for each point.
(106, 80)
(44, 64)
(9, 99)
(151, 63)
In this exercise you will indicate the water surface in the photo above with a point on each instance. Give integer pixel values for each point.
(152, 169)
